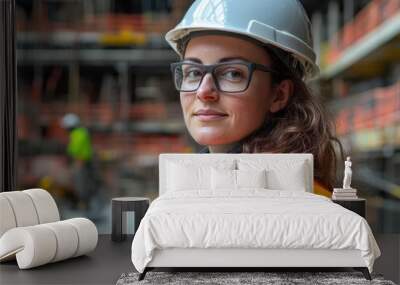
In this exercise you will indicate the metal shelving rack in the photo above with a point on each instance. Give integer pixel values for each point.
(383, 40)
(361, 80)
(74, 49)
(136, 121)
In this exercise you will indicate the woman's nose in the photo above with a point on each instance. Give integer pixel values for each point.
(207, 90)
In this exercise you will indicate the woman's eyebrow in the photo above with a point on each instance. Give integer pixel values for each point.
(192, 59)
(225, 59)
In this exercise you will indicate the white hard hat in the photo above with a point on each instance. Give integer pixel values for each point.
(283, 24)
(70, 121)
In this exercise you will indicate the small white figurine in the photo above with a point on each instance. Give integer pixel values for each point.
(347, 174)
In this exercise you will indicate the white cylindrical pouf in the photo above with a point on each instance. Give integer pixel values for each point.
(23, 208)
(87, 234)
(34, 245)
(7, 218)
(67, 239)
(45, 205)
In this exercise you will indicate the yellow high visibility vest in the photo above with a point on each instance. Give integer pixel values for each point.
(79, 146)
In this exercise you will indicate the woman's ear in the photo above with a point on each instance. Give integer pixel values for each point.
(282, 93)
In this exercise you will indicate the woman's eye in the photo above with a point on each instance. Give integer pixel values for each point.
(233, 75)
(192, 74)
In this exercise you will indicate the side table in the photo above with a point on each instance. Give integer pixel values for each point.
(356, 205)
(119, 206)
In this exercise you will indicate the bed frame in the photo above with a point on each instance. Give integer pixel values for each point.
(248, 259)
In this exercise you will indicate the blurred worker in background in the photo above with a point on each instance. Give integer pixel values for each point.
(80, 151)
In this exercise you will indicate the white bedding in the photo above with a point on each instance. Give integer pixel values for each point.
(251, 218)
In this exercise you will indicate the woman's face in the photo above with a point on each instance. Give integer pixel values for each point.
(216, 118)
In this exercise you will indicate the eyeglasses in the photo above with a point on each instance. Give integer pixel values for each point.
(231, 77)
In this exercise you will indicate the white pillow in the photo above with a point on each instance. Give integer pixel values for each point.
(236, 179)
(181, 178)
(251, 178)
(189, 175)
(282, 174)
(223, 179)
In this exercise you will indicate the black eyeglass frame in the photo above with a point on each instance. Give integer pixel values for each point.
(211, 67)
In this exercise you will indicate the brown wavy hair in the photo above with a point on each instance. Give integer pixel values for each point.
(303, 126)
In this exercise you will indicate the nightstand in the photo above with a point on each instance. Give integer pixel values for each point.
(138, 205)
(356, 205)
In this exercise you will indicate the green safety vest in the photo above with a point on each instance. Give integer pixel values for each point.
(79, 146)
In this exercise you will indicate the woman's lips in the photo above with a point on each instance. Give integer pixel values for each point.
(209, 117)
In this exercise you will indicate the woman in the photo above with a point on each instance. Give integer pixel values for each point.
(242, 81)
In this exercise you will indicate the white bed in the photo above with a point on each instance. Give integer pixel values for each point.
(202, 220)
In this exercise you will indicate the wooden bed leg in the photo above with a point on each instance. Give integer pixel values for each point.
(364, 271)
(143, 274)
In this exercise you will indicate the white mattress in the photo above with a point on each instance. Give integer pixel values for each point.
(253, 218)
